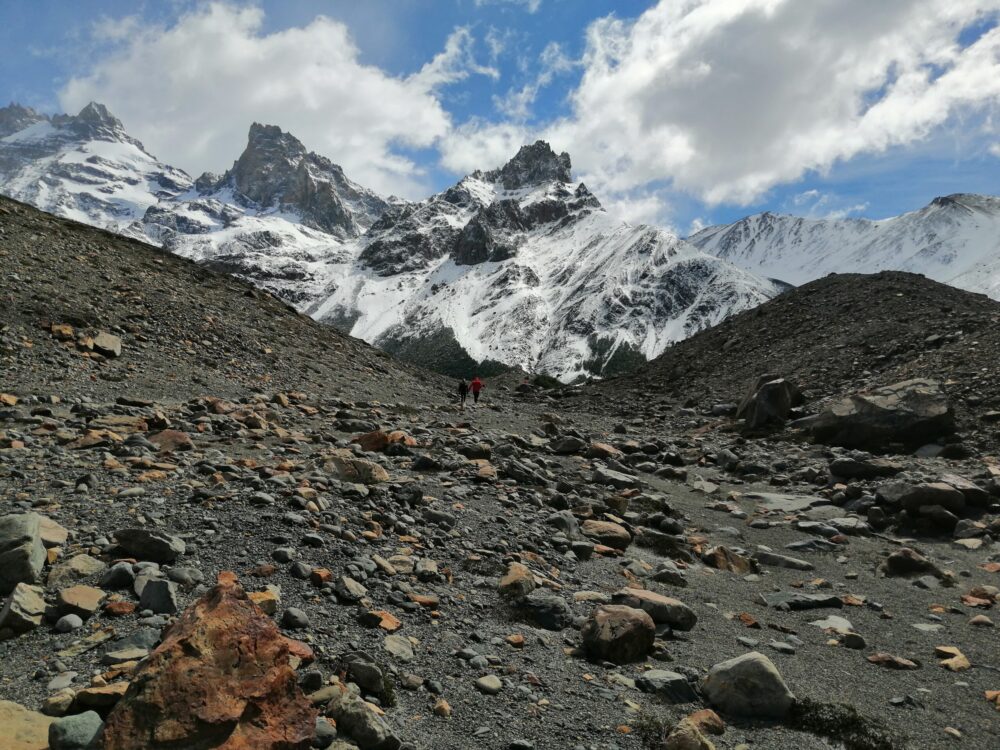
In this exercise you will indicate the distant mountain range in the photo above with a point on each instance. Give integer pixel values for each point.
(517, 266)
(955, 240)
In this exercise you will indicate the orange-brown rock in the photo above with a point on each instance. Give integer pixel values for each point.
(372, 442)
(220, 679)
(169, 441)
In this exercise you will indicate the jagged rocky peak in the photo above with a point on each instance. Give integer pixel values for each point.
(532, 165)
(14, 117)
(94, 122)
(276, 171)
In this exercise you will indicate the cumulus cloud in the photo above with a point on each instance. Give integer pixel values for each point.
(479, 144)
(191, 90)
(725, 99)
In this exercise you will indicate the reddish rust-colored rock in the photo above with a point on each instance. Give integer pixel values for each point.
(220, 679)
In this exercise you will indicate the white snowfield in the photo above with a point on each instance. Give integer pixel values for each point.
(954, 240)
(520, 265)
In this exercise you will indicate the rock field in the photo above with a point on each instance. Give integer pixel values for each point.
(223, 525)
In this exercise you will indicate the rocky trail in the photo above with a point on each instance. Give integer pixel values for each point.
(312, 546)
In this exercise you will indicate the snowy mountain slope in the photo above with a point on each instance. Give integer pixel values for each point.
(519, 265)
(955, 240)
(280, 217)
(83, 167)
(522, 266)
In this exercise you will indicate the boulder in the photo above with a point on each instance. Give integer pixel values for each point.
(617, 633)
(748, 685)
(221, 678)
(21, 729)
(359, 720)
(169, 441)
(75, 569)
(22, 553)
(23, 611)
(350, 468)
(567, 445)
(75, 732)
(913, 497)
(608, 533)
(108, 344)
(664, 610)
(769, 402)
(517, 582)
(854, 467)
(911, 413)
(617, 479)
(149, 544)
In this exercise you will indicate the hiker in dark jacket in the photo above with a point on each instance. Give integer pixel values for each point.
(463, 392)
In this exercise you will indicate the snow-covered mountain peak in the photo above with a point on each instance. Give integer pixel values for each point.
(95, 122)
(533, 164)
(14, 117)
(84, 166)
(277, 173)
(954, 239)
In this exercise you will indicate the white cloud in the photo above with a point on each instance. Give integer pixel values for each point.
(481, 145)
(190, 92)
(995, 149)
(531, 6)
(517, 103)
(726, 99)
(815, 204)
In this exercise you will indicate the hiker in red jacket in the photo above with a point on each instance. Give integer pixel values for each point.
(476, 386)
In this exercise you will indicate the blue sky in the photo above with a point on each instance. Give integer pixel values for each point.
(680, 112)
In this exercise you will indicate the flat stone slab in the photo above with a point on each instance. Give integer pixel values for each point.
(797, 600)
(785, 503)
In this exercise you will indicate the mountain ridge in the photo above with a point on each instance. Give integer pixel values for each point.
(518, 265)
(954, 239)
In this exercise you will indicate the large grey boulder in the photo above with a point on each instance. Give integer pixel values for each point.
(146, 544)
(911, 413)
(22, 553)
(769, 402)
(75, 732)
(748, 685)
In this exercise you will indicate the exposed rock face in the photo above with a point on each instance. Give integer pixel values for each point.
(910, 413)
(532, 165)
(276, 171)
(220, 679)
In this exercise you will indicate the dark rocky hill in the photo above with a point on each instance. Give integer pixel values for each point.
(183, 329)
(837, 335)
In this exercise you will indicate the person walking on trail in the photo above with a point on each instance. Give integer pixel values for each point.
(463, 392)
(476, 386)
